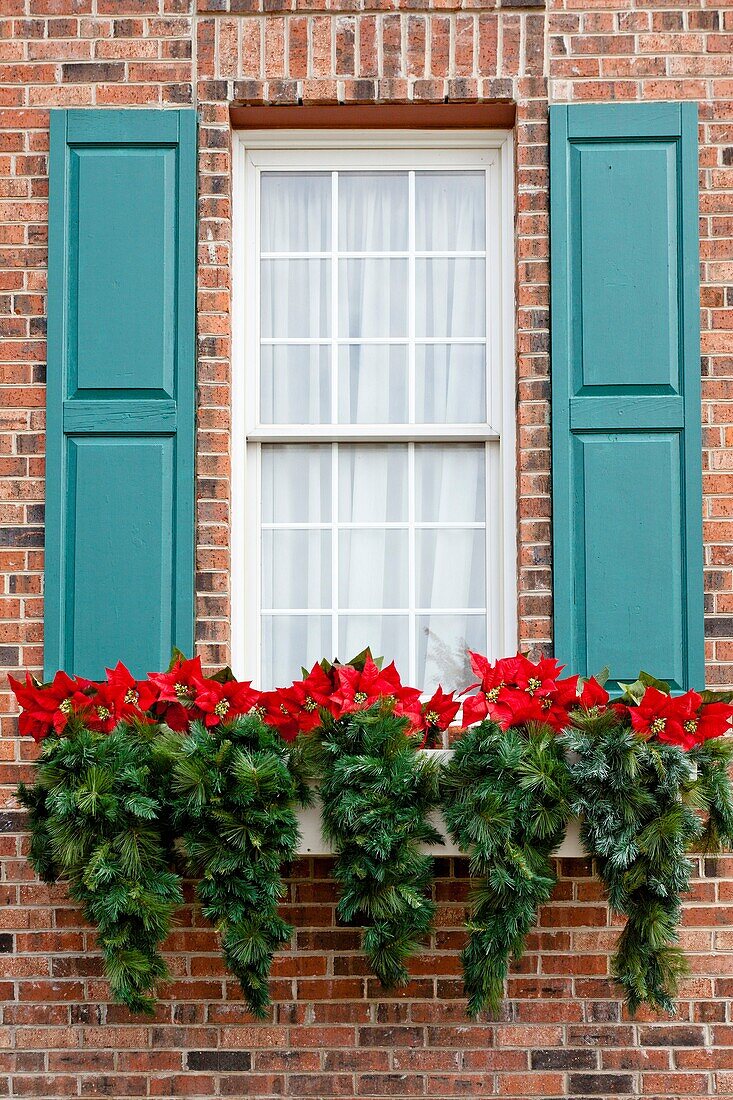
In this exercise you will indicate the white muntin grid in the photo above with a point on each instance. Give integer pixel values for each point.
(492, 432)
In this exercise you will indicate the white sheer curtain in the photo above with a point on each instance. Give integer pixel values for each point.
(373, 535)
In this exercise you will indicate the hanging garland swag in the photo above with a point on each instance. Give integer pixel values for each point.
(139, 781)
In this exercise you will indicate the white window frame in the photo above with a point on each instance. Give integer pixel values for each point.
(262, 150)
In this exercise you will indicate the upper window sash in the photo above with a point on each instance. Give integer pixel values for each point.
(385, 151)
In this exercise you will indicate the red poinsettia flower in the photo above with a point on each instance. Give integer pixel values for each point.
(494, 679)
(309, 695)
(297, 709)
(712, 720)
(358, 689)
(181, 683)
(279, 710)
(475, 709)
(142, 694)
(537, 679)
(103, 708)
(669, 718)
(221, 702)
(566, 692)
(407, 705)
(593, 695)
(436, 715)
(46, 707)
(518, 708)
(515, 690)
(177, 691)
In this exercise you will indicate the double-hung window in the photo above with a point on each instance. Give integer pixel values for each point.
(373, 445)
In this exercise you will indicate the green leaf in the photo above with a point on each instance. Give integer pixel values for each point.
(176, 657)
(223, 676)
(651, 681)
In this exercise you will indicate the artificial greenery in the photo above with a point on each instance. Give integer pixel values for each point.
(376, 792)
(134, 775)
(506, 801)
(638, 801)
(233, 796)
(98, 819)
(713, 762)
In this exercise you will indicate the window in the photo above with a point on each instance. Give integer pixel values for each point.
(373, 446)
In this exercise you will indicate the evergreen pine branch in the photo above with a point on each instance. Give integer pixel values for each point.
(637, 804)
(97, 819)
(713, 760)
(376, 792)
(232, 798)
(506, 801)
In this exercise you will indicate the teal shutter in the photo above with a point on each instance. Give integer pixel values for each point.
(626, 419)
(120, 397)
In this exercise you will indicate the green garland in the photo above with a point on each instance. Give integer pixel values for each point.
(376, 792)
(637, 801)
(97, 818)
(713, 761)
(506, 803)
(107, 812)
(232, 795)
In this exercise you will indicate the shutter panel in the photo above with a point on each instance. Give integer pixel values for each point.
(120, 397)
(626, 417)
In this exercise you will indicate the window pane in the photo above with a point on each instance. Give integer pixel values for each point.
(450, 211)
(450, 383)
(296, 569)
(451, 568)
(296, 484)
(295, 384)
(398, 558)
(372, 298)
(442, 641)
(296, 298)
(373, 211)
(386, 634)
(373, 569)
(290, 642)
(450, 298)
(373, 483)
(295, 211)
(450, 483)
(373, 384)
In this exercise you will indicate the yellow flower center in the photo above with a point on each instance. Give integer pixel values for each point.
(691, 726)
(658, 725)
(309, 704)
(66, 706)
(533, 685)
(432, 718)
(361, 697)
(132, 697)
(493, 694)
(222, 707)
(182, 691)
(103, 713)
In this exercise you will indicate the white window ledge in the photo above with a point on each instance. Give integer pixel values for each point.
(312, 842)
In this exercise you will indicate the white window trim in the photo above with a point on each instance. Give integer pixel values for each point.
(260, 149)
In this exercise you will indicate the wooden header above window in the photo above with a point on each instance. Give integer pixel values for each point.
(489, 115)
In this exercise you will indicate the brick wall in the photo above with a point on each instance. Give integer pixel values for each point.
(678, 50)
(332, 1033)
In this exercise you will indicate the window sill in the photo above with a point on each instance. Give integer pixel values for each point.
(312, 843)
